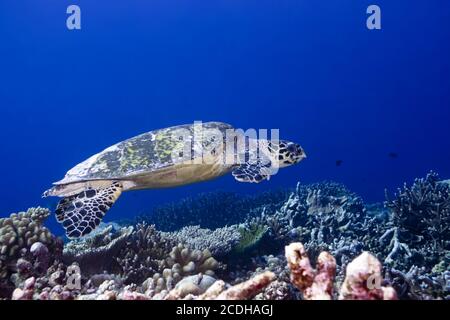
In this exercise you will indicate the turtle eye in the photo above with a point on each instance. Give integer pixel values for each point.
(292, 148)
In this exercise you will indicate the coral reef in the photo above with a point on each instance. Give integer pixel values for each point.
(310, 243)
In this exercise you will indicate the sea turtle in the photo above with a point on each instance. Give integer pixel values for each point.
(164, 158)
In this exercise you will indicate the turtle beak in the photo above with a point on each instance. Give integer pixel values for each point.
(302, 153)
(48, 193)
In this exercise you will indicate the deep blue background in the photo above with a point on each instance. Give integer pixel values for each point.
(310, 68)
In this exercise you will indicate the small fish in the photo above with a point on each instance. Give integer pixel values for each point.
(338, 163)
(393, 155)
(51, 204)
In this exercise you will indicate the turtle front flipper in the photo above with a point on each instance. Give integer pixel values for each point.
(254, 171)
(80, 214)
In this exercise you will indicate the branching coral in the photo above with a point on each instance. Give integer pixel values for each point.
(417, 284)
(419, 238)
(426, 201)
(144, 254)
(422, 212)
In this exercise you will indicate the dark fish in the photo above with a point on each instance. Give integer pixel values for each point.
(51, 204)
(339, 162)
(393, 155)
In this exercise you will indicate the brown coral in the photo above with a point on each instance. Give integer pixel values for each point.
(23, 235)
(182, 262)
(23, 229)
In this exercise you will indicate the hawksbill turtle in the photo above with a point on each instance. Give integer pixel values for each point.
(164, 158)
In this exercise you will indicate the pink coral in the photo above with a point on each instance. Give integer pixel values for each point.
(314, 284)
(363, 280)
(27, 292)
(249, 288)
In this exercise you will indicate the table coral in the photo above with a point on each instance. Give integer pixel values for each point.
(96, 252)
(219, 242)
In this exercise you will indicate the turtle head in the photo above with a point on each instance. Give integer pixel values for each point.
(290, 153)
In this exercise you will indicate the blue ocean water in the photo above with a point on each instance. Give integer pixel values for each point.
(310, 68)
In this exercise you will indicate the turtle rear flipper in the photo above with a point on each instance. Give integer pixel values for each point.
(80, 214)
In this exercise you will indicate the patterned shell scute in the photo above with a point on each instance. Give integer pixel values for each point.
(147, 152)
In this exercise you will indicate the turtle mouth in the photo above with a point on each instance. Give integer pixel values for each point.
(300, 157)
